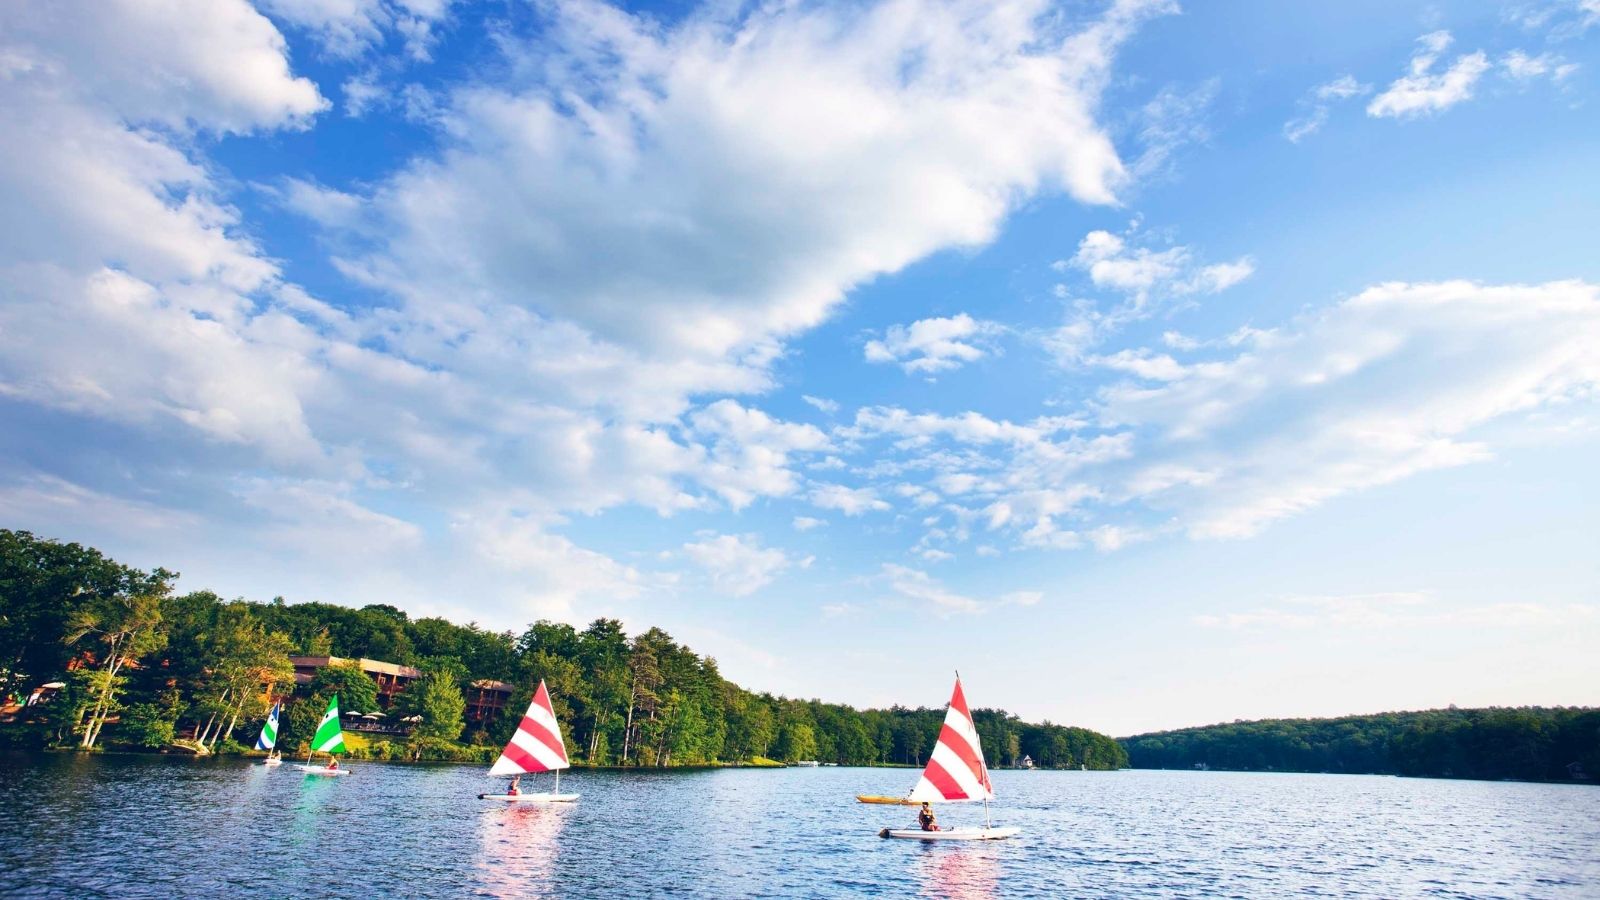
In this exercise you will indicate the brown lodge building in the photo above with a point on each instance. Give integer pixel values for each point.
(485, 697)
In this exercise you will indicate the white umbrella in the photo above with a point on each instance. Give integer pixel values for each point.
(373, 716)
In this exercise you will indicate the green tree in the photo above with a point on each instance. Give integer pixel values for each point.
(128, 627)
(356, 690)
(441, 706)
(44, 584)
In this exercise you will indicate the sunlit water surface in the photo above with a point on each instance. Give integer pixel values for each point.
(133, 826)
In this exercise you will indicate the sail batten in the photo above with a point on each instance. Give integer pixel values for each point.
(956, 771)
(536, 745)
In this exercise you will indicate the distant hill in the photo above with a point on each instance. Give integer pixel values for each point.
(1525, 743)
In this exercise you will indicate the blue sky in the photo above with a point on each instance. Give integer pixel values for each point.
(1153, 365)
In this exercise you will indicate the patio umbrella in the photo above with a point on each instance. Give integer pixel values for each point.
(372, 716)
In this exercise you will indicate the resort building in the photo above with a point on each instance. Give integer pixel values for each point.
(485, 699)
(390, 678)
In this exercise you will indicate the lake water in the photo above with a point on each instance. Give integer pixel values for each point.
(132, 826)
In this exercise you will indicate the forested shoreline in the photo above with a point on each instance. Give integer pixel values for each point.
(1522, 743)
(141, 665)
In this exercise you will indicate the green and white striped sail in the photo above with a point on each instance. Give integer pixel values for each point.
(269, 731)
(329, 739)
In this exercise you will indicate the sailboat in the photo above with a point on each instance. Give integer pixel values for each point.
(535, 746)
(955, 774)
(269, 738)
(329, 739)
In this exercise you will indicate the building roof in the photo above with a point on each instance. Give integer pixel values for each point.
(367, 665)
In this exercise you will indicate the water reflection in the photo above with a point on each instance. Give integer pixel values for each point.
(519, 845)
(959, 872)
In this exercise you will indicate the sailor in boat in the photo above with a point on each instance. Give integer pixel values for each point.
(333, 764)
(926, 819)
(516, 787)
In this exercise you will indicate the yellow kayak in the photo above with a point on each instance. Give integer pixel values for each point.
(876, 798)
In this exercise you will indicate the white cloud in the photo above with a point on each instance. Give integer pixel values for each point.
(806, 523)
(1149, 280)
(1394, 381)
(922, 588)
(821, 403)
(934, 345)
(750, 450)
(1142, 362)
(850, 501)
(211, 64)
(752, 184)
(1318, 103)
(1265, 423)
(1522, 68)
(1424, 91)
(1170, 121)
(738, 564)
(349, 28)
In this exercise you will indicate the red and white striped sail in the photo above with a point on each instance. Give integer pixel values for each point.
(536, 746)
(955, 770)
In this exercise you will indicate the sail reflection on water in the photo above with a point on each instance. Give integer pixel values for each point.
(958, 872)
(518, 849)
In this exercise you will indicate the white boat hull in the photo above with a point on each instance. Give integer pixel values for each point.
(273, 762)
(530, 798)
(321, 770)
(951, 834)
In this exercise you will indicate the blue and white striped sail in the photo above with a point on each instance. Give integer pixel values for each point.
(269, 731)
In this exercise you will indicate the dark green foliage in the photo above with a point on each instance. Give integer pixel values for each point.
(355, 690)
(1529, 743)
(642, 701)
(439, 702)
(44, 586)
(146, 725)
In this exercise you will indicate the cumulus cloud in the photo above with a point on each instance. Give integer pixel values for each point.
(699, 191)
(927, 346)
(848, 500)
(749, 451)
(737, 564)
(1424, 91)
(1149, 280)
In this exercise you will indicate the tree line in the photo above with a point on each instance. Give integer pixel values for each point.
(154, 664)
(1525, 743)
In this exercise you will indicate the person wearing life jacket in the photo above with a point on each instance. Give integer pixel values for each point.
(333, 764)
(925, 818)
(515, 790)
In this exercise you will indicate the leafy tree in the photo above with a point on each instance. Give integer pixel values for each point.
(128, 627)
(45, 584)
(441, 706)
(151, 724)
